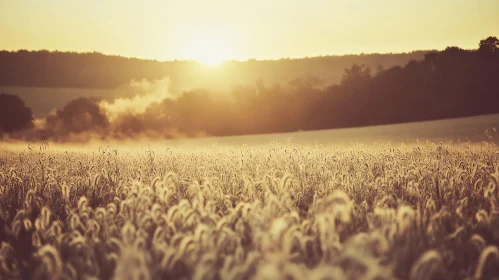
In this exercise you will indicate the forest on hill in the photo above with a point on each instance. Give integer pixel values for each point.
(446, 84)
(95, 70)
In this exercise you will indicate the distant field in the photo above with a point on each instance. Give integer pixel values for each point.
(472, 129)
(461, 129)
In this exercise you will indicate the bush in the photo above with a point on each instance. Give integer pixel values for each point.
(14, 115)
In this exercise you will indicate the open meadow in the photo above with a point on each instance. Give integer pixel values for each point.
(273, 211)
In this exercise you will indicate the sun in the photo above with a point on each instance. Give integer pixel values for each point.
(209, 49)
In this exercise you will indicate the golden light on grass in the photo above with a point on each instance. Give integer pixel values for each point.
(174, 211)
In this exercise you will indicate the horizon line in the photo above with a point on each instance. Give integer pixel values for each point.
(229, 60)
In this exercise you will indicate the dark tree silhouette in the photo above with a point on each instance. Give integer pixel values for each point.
(356, 78)
(489, 45)
(79, 115)
(14, 115)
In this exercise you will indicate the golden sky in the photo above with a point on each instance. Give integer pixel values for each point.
(214, 30)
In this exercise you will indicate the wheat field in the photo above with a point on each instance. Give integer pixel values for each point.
(275, 211)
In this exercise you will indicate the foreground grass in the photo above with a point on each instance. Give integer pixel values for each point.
(268, 212)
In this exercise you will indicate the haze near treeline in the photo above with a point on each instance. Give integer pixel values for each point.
(447, 84)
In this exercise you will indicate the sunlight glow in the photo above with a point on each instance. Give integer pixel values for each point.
(259, 29)
(209, 49)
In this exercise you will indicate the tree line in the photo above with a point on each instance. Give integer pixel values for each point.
(96, 70)
(445, 84)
